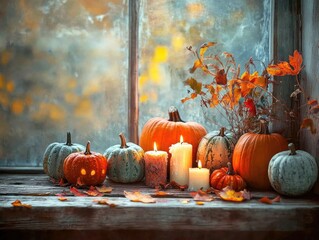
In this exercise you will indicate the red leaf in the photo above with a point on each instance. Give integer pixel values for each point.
(221, 77)
(266, 200)
(76, 192)
(249, 103)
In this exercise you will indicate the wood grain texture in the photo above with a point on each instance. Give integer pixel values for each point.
(168, 215)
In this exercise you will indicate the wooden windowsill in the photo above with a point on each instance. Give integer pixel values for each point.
(169, 217)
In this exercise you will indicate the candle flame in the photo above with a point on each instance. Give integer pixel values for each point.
(181, 140)
(155, 147)
(199, 164)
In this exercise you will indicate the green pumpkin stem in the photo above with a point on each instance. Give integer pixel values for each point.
(292, 149)
(263, 127)
(222, 132)
(230, 170)
(123, 140)
(68, 139)
(174, 115)
(88, 148)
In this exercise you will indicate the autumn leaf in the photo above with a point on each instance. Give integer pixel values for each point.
(161, 194)
(228, 194)
(312, 102)
(249, 103)
(284, 68)
(76, 192)
(18, 203)
(62, 199)
(105, 202)
(269, 201)
(196, 65)
(221, 77)
(314, 109)
(93, 192)
(104, 189)
(203, 48)
(295, 93)
(308, 123)
(194, 85)
(139, 197)
(202, 196)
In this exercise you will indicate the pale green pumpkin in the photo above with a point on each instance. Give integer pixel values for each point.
(292, 172)
(55, 154)
(125, 162)
(215, 149)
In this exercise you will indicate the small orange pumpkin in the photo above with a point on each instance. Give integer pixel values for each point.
(88, 168)
(225, 176)
(166, 132)
(252, 154)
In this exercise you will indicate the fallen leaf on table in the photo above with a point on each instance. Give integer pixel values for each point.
(161, 194)
(76, 192)
(228, 194)
(185, 201)
(269, 201)
(139, 197)
(62, 199)
(93, 192)
(18, 203)
(104, 189)
(105, 202)
(199, 203)
(202, 196)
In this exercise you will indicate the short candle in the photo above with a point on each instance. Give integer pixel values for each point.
(155, 167)
(198, 178)
(181, 161)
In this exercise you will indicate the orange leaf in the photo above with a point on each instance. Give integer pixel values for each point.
(202, 196)
(266, 200)
(76, 192)
(314, 109)
(105, 202)
(62, 199)
(312, 102)
(161, 194)
(93, 192)
(285, 68)
(139, 197)
(104, 189)
(228, 194)
(203, 48)
(199, 203)
(18, 203)
(308, 123)
(196, 65)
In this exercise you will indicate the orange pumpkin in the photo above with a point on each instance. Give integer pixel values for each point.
(88, 168)
(225, 176)
(252, 154)
(166, 132)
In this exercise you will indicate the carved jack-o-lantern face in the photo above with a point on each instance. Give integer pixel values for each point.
(87, 167)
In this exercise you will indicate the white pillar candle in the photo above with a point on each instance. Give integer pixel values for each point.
(198, 178)
(180, 162)
(155, 167)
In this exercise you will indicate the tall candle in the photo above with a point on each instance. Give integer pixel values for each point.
(198, 178)
(180, 162)
(155, 167)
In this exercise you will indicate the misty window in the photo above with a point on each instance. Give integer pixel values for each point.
(64, 65)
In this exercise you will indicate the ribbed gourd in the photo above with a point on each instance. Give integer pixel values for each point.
(215, 149)
(55, 155)
(292, 172)
(125, 162)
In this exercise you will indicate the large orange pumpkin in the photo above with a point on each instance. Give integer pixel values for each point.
(252, 154)
(166, 132)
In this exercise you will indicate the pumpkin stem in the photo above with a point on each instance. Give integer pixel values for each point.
(174, 115)
(68, 139)
(222, 132)
(123, 141)
(263, 127)
(230, 170)
(292, 149)
(88, 148)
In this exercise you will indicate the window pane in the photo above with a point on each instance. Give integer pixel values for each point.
(63, 68)
(167, 27)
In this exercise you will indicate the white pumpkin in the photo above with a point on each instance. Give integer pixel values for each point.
(215, 149)
(292, 172)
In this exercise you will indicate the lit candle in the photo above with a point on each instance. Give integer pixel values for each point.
(198, 178)
(181, 161)
(155, 167)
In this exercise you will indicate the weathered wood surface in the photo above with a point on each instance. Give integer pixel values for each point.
(298, 216)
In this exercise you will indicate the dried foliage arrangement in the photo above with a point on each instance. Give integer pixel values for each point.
(243, 99)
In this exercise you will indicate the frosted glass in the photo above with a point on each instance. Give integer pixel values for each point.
(168, 27)
(63, 67)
